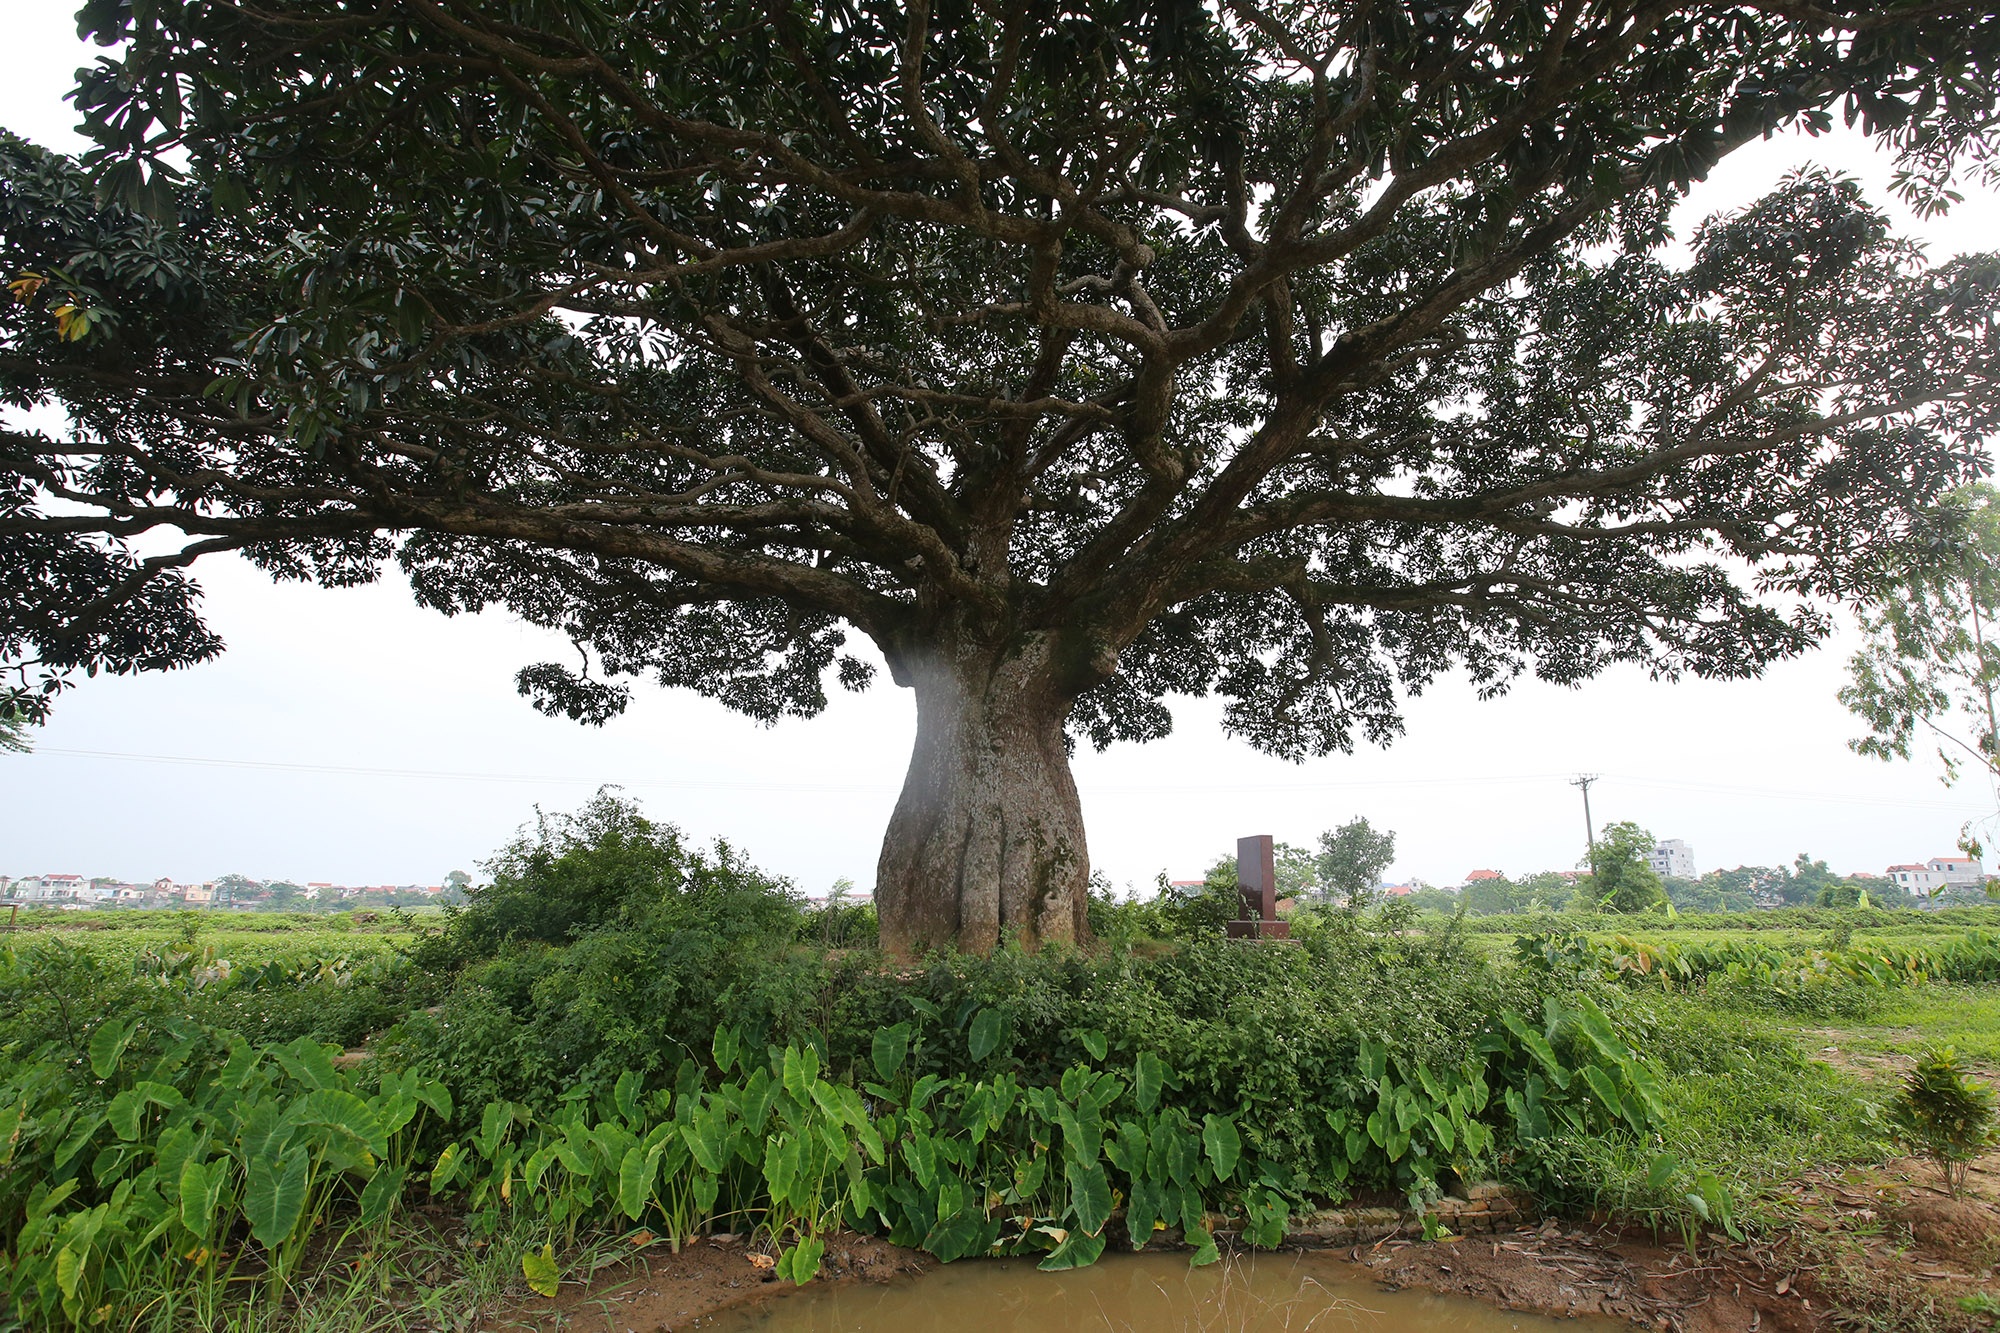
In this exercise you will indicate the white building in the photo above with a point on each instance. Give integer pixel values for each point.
(1959, 871)
(1921, 880)
(1673, 857)
(50, 888)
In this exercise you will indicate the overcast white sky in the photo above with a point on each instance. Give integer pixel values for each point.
(349, 736)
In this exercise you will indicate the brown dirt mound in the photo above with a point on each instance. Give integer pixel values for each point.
(1950, 1225)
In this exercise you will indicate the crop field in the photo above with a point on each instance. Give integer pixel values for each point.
(239, 936)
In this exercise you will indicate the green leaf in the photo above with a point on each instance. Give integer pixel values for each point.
(1193, 1216)
(1029, 1176)
(781, 1166)
(1149, 1075)
(707, 1139)
(1224, 1146)
(69, 1270)
(888, 1050)
(625, 1095)
(108, 1043)
(1077, 1250)
(801, 1069)
(1142, 1210)
(801, 1263)
(727, 1047)
(1203, 1241)
(447, 1166)
(1607, 1091)
(1598, 1029)
(921, 1153)
(123, 1113)
(275, 1196)
(494, 1122)
(965, 1233)
(1089, 1195)
(198, 1194)
(436, 1096)
(308, 1062)
(1664, 1167)
(342, 1112)
(379, 1198)
(635, 1179)
(985, 1034)
(539, 1267)
(1374, 1060)
(1094, 1042)
(1182, 1158)
(1537, 1045)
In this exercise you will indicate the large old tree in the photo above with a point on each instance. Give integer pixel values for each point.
(1075, 354)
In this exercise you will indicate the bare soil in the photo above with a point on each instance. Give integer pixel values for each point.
(1875, 1248)
(656, 1290)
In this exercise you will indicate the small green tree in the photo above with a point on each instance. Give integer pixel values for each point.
(1623, 879)
(1944, 1116)
(1926, 663)
(1297, 870)
(1351, 861)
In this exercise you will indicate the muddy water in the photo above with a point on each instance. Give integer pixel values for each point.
(1139, 1293)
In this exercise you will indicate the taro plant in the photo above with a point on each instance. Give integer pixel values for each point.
(1943, 1115)
(177, 1153)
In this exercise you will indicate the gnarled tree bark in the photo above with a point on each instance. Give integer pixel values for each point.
(986, 844)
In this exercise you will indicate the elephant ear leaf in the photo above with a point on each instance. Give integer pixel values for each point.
(985, 1034)
(1149, 1076)
(200, 1182)
(800, 1264)
(539, 1267)
(275, 1195)
(381, 1194)
(1223, 1144)
(107, 1044)
(889, 1049)
(1089, 1195)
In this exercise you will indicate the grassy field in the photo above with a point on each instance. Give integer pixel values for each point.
(246, 938)
(1965, 1017)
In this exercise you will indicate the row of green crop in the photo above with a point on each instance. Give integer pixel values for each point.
(176, 1160)
(1813, 979)
(1872, 921)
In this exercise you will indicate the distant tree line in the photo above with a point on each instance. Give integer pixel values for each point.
(1346, 867)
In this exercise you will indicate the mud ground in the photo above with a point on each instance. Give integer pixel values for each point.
(1871, 1248)
(659, 1291)
(1874, 1248)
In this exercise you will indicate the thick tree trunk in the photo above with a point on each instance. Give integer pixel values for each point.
(986, 844)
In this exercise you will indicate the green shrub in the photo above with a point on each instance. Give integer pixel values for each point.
(1944, 1116)
(605, 865)
(660, 946)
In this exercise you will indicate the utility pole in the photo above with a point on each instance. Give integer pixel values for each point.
(1584, 780)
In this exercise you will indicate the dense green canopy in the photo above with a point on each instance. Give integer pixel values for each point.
(1293, 352)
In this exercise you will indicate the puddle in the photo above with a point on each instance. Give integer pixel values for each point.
(1139, 1293)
